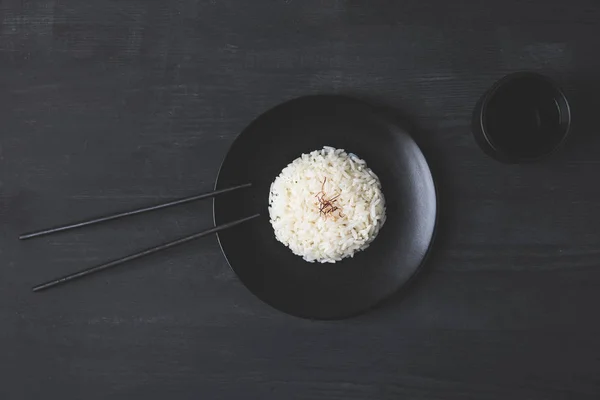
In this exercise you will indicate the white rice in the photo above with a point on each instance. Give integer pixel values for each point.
(294, 205)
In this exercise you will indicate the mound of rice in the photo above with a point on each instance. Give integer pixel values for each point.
(326, 205)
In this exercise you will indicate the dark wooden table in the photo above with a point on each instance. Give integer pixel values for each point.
(108, 105)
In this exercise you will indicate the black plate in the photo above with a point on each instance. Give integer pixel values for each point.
(314, 290)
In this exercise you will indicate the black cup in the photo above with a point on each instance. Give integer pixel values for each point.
(524, 117)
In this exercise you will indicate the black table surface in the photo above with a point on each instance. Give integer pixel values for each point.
(110, 105)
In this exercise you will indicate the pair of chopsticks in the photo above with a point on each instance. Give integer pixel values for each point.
(143, 253)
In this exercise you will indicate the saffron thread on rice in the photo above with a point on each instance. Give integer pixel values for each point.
(327, 206)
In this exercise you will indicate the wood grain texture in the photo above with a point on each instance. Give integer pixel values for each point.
(109, 105)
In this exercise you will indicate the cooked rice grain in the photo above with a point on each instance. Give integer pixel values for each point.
(294, 206)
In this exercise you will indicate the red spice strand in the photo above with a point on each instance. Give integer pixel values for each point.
(327, 207)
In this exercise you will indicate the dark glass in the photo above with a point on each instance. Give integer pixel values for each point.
(523, 117)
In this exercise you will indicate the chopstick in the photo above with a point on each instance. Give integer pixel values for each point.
(114, 263)
(112, 217)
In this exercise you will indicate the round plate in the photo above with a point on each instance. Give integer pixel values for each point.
(268, 268)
